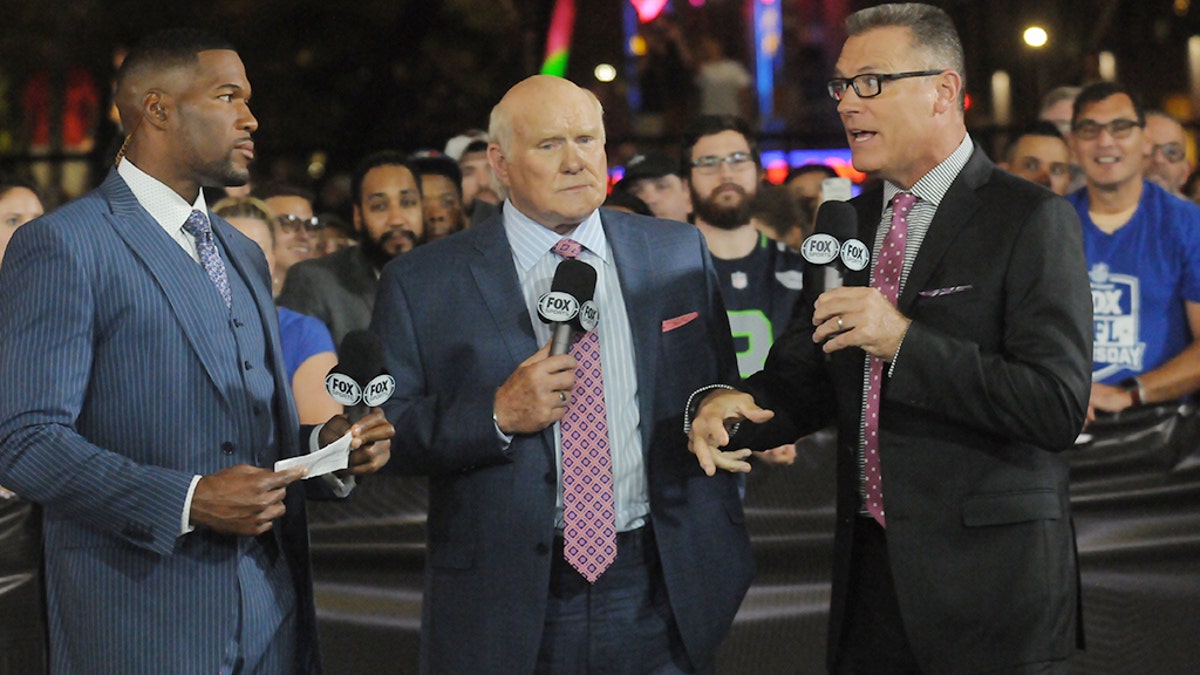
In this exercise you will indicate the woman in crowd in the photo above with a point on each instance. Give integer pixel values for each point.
(308, 351)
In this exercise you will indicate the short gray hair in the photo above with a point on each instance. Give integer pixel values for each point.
(932, 30)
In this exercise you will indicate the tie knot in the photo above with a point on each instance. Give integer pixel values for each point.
(197, 224)
(568, 248)
(903, 201)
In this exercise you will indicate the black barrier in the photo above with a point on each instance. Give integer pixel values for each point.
(1136, 499)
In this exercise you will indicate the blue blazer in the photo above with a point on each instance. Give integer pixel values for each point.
(114, 399)
(454, 326)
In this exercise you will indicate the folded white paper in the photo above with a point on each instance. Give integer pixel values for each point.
(333, 457)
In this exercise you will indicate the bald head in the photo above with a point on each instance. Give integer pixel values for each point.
(548, 149)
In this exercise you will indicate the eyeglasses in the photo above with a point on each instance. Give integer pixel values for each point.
(1172, 152)
(1119, 128)
(869, 85)
(290, 223)
(712, 163)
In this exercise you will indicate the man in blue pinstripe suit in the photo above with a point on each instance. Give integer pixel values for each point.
(145, 403)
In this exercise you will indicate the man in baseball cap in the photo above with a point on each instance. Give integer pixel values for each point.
(657, 180)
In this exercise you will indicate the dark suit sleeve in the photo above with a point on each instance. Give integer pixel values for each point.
(47, 329)
(437, 431)
(1035, 389)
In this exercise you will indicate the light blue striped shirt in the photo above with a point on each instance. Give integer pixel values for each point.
(535, 262)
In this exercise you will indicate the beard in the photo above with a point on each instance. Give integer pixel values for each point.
(722, 216)
(391, 245)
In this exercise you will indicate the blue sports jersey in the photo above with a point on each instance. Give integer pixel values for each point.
(759, 291)
(1141, 276)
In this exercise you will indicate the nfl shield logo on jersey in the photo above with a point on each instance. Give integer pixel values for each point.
(739, 280)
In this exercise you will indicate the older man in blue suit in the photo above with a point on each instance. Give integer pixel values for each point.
(145, 402)
(515, 582)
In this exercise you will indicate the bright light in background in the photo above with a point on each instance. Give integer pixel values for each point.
(1035, 36)
(605, 72)
(1107, 65)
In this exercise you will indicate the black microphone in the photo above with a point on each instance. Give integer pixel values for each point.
(359, 380)
(568, 306)
(833, 249)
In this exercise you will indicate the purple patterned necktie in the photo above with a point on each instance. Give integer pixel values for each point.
(197, 226)
(887, 280)
(589, 510)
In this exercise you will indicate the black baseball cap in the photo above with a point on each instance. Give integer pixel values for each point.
(650, 165)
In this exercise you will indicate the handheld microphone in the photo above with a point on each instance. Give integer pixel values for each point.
(359, 380)
(568, 306)
(833, 249)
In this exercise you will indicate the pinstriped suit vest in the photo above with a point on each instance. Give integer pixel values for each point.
(267, 590)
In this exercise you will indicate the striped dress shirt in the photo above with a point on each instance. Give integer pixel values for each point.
(531, 245)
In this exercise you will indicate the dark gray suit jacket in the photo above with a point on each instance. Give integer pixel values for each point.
(338, 289)
(991, 385)
(455, 326)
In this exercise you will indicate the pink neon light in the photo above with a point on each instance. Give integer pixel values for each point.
(648, 10)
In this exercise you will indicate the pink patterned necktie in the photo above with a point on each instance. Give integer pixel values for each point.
(589, 510)
(887, 280)
(198, 226)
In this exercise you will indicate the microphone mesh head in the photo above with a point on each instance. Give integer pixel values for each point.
(838, 219)
(360, 356)
(576, 278)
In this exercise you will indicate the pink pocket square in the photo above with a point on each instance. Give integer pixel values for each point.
(672, 324)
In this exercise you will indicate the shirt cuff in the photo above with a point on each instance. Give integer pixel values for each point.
(896, 356)
(185, 523)
(505, 439)
(341, 487)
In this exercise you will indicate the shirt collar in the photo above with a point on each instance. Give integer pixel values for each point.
(162, 203)
(531, 240)
(932, 187)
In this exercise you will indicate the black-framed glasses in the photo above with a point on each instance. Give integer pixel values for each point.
(712, 163)
(291, 223)
(1172, 152)
(1118, 128)
(868, 85)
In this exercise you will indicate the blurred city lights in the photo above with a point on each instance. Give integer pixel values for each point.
(605, 72)
(1035, 36)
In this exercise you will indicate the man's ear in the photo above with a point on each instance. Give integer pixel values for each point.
(357, 219)
(156, 107)
(498, 163)
(949, 91)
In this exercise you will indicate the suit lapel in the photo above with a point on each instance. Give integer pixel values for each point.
(496, 279)
(165, 261)
(633, 262)
(956, 208)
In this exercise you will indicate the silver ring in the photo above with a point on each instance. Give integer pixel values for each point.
(562, 396)
(840, 326)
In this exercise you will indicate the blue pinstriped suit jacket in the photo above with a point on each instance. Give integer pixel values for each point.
(454, 326)
(113, 399)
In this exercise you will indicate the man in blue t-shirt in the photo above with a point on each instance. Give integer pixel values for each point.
(1143, 252)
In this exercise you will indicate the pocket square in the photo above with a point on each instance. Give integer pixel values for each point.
(672, 324)
(935, 292)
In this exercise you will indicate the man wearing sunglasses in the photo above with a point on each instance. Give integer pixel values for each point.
(1167, 163)
(956, 367)
(1143, 250)
(296, 228)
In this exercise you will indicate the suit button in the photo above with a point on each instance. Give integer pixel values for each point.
(246, 365)
(237, 323)
(227, 448)
(550, 478)
(542, 548)
(258, 410)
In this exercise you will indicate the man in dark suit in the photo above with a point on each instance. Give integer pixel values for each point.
(146, 401)
(482, 407)
(954, 550)
(339, 288)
